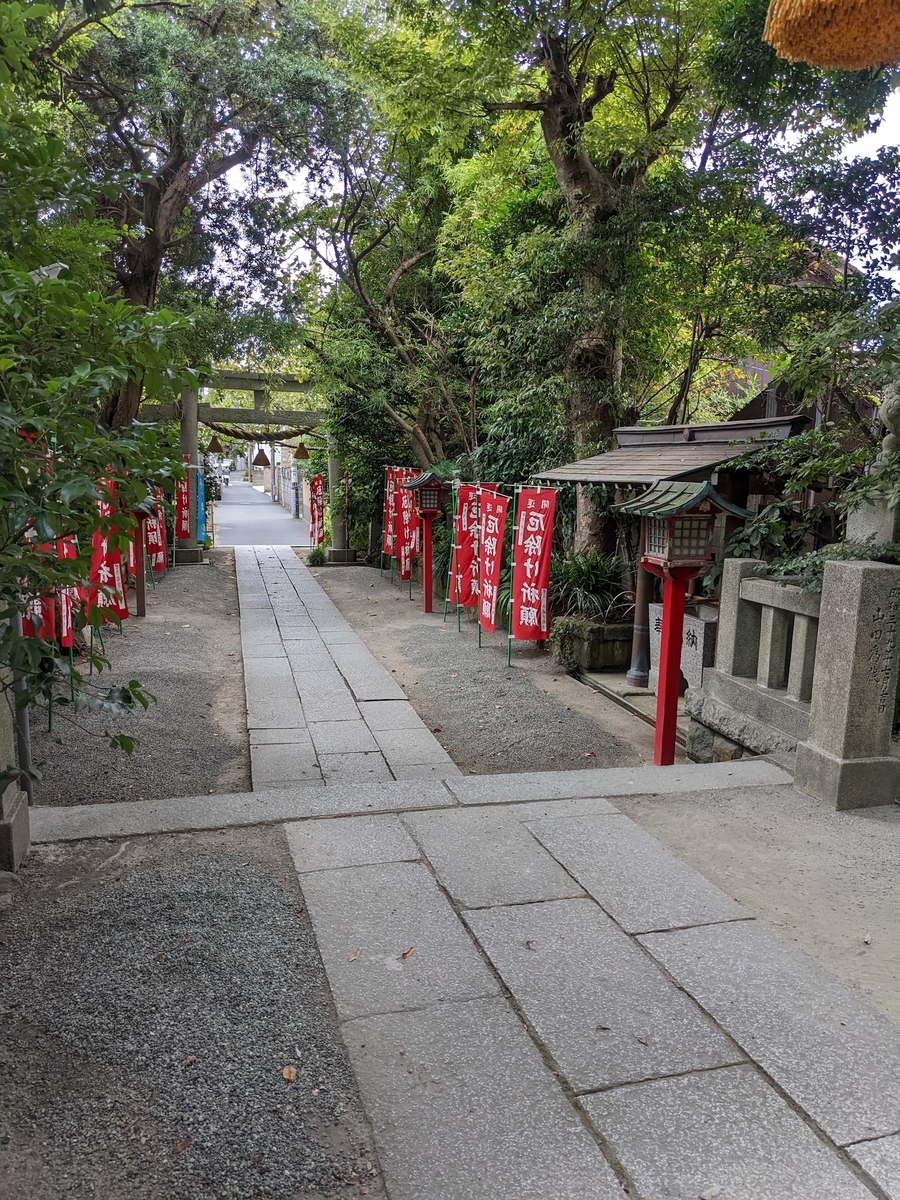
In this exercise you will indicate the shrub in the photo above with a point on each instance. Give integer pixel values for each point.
(589, 585)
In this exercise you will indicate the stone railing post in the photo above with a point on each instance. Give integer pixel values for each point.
(803, 657)
(737, 640)
(846, 759)
(14, 832)
(773, 644)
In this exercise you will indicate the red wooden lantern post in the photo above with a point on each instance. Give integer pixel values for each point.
(428, 494)
(677, 520)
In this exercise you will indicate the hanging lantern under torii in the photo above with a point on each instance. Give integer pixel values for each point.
(261, 459)
(849, 34)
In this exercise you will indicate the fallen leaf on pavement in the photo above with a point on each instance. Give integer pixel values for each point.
(408, 953)
(289, 1073)
(868, 939)
(354, 956)
(353, 1179)
(589, 754)
(190, 1059)
(157, 957)
(182, 1145)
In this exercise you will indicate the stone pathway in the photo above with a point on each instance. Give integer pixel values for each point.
(539, 1000)
(319, 705)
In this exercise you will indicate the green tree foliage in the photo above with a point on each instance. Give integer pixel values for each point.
(632, 204)
(63, 346)
(192, 118)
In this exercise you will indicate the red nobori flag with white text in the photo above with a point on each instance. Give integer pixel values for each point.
(39, 620)
(183, 507)
(390, 487)
(535, 510)
(463, 582)
(106, 584)
(67, 597)
(317, 510)
(406, 521)
(464, 560)
(492, 520)
(156, 537)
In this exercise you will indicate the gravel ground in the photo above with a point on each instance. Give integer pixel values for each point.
(187, 652)
(490, 718)
(153, 992)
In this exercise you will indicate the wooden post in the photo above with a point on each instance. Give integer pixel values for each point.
(639, 671)
(140, 571)
(427, 581)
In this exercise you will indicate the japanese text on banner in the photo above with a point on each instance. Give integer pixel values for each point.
(183, 507)
(492, 521)
(406, 521)
(390, 486)
(156, 537)
(106, 590)
(536, 508)
(317, 510)
(464, 560)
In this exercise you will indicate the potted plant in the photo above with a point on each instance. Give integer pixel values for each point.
(593, 625)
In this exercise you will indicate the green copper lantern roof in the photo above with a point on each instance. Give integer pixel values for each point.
(426, 479)
(666, 499)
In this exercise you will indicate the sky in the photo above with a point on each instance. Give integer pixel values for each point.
(887, 134)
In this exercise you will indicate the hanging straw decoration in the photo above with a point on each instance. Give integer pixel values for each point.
(215, 446)
(301, 452)
(261, 459)
(850, 34)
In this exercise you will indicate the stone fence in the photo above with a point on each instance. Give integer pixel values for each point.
(815, 674)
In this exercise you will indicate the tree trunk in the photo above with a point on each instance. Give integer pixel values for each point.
(592, 196)
(139, 281)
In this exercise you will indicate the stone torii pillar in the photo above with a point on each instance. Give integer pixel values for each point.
(189, 550)
(338, 551)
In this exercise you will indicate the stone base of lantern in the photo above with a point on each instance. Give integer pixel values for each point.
(340, 556)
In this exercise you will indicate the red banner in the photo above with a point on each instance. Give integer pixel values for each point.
(183, 507)
(317, 510)
(406, 521)
(464, 558)
(535, 510)
(67, 597)
(156, 537)
(39, 621)
(492, 520)
(390, 487)
(106, 584)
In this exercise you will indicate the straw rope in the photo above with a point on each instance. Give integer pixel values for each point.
(851, 34)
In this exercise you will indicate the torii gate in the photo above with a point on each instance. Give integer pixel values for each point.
(190, 413)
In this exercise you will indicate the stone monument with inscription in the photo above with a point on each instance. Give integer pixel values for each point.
(846, 758)
(698, 647)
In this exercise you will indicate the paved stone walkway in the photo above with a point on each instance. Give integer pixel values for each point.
(319, 705)
(539, 1000)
